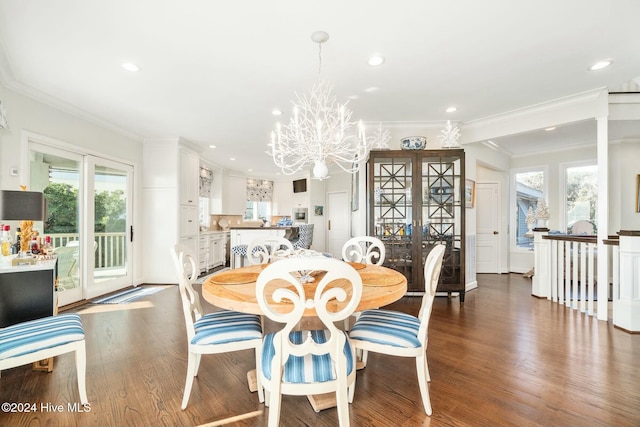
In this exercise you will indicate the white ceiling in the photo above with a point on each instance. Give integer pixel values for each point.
(212, 72)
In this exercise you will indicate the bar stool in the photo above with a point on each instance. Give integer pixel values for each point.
(238, 250)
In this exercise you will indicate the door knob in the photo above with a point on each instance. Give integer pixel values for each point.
(496, 232)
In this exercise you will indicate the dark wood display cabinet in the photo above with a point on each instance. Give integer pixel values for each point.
(416, 200)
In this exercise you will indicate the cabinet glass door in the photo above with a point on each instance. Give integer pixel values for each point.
(442, 214)
(391, 180)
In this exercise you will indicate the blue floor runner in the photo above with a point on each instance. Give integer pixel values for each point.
(129, 295)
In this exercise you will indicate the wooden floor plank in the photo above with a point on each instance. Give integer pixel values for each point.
(503, 359)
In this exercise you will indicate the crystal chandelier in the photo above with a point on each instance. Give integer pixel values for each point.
(320, 131)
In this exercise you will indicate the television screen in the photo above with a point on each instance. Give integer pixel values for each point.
(300, 185)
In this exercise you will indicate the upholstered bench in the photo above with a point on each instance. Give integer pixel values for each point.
(40, 339)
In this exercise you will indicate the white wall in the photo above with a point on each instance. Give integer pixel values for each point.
(624, 167)
(26, 114)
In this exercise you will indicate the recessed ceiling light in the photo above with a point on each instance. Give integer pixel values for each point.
(600, 65)
(550, 128)
(250, 170)
(376, 60)
(212, 146)
(371, 89)
(129, 66)
(353, 97)
(232, 158)
(276, 112)
(451, 109)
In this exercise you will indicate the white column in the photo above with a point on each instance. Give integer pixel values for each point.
(603, 215)
(626, 308)
(541, 283)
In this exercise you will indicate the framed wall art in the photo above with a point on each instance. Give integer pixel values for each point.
(469, 193)
(637, 193)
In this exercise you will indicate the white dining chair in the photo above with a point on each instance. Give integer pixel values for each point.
(212, 333)
(401, 334)
(296, 362)
(366, 250)
(267, 249)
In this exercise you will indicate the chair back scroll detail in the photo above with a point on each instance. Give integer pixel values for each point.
(267, 249)
(187, 268)
(364, 249)
(432, 267)
(287, 303)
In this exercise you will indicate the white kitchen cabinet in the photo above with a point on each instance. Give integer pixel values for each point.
(282, 198)
(217, 249)
(212, 249)
(170, 194)
(188, 220)
(234, 196)
(203, 252)
(188, 178)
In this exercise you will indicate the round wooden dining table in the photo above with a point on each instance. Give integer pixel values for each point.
(236, 289)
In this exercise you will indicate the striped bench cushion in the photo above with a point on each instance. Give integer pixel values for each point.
(309, 368)
(387, 327)
(35, 335)
(226, 326)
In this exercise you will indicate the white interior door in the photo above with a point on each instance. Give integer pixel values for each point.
(338, 214)
(487, 227)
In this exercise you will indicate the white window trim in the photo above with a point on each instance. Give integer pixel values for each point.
(562, 172)
(512, 201)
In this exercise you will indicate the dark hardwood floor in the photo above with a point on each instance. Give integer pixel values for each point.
(504, 359)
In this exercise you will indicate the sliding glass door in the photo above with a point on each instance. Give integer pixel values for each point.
(59, 175)
(109, 210)
(88, 219)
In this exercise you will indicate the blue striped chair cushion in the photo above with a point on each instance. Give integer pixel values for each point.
(226, 326)
(305, 369)
(35, 335)
(387, 327)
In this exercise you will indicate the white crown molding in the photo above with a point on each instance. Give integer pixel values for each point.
(58, 104)
(436, 125)
(569, 109)
(6, 73)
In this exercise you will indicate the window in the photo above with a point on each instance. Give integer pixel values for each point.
(581, 194)
(529, 187)
(258, 210)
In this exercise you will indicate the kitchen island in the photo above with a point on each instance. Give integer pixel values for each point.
(245, 235)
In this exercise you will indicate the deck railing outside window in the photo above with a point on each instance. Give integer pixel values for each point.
(110, 248)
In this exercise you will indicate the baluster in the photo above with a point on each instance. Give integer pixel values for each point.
(583, 276)
(553, 294)
(592, 277)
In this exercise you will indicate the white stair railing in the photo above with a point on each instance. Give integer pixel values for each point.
(565, 268)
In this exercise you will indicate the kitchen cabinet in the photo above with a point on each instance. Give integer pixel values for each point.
(27, 292)
(212, 249)
(188, 178)
(218, 249)
(188, 220)
(416, 200)
(170, 195)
